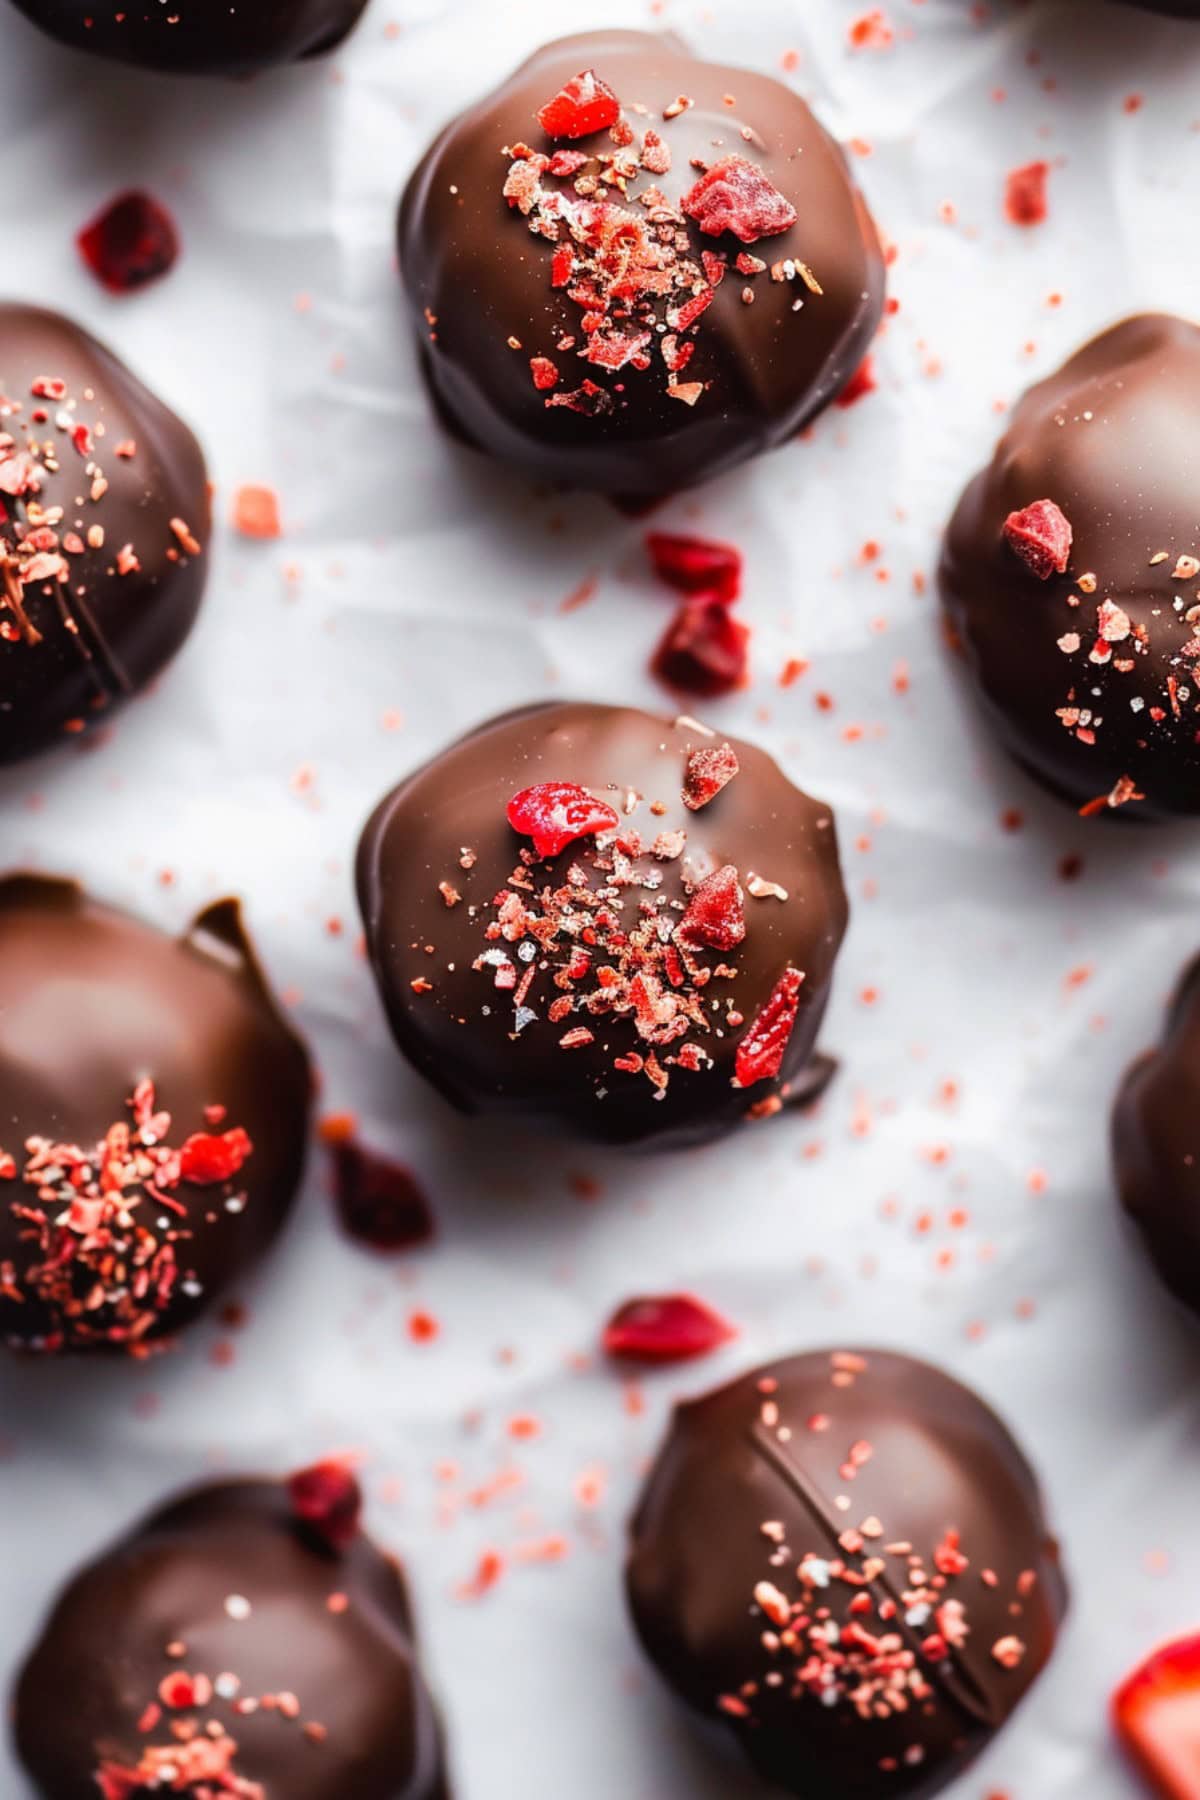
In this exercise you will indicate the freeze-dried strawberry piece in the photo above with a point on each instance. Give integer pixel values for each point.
(760, 1053)
(1025, 194)
(1156, 1711)
(737, 196)
(1041, 535)
(703, 650)
(707, 772)
(206, 1159)
(133, 241)
(378, 1200)
(328, 1500)
(716, 914)
(585, 105)
(555, 813)
(544, 372)
(861, 383)
(665, 1328)
(696, 565)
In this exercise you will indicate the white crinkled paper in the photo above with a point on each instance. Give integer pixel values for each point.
(417, 591)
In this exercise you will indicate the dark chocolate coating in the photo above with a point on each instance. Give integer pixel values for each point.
(198, 37)
(102, 1654)
(461, 1034)
(918, 1457)
(1173, 9)
(1114, 440)
(71, 651)
(93, 1002)
(470, 262)
(1156, 1143)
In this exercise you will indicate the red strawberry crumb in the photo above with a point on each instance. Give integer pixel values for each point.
(327, 1499)
(696, 565)
(555, 813)
(1025, 201)
(132, 242)
(704, 650)
(583, 106)
(1041, 535)
(737, 196)
(665, 1328)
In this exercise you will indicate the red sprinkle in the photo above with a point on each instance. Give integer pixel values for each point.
(132, 242)
(328, 1499)
(696, 565)
(378, 1200)
(737, 196)
(665, 1328)
(1025, 194)
(585, 105)
(1041, 535)
(760, 1053)
(555, 813)
(704, 650)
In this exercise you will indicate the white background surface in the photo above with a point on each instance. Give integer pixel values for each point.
(415, 581)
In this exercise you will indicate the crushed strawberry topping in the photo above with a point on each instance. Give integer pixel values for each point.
(327, 1499)
(736, 196)
(707, 773)
(584, 106)
(555, 813)
(760, 1053)
(626, 255)
(105, 1227)
(666, 1328)
(1041, 536)
(716, 915)
(132, 242)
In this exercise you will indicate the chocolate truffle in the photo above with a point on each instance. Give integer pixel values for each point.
(1156, 1142)
(629, 270)
(842, 1558)
(153, 1118)
(104, 518)
(198, 37)
(1071, 575)
(593, 919)
(231, 1646)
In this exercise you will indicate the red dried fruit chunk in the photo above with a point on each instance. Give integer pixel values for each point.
(133, 241)
(1041, 536)
(696, 565)
(586, 104)
(736, 196)
(544, 372)
(206, 1159)
(665, 1328)
(378, 1200)
(1025, 194)
(760, 1053)
(703, 650)
(328, 1499)
(862, 382)
(716, 913)
(1156, 1711)
(555, 813)
(707, 772)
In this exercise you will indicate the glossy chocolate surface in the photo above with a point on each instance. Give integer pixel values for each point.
(198, 36)
(1156, 1140)
(475, 277)
(104, 524)
(747, 1578)
(1090, 678)
(105, 1021)
(469, 1034)
(305, 1684)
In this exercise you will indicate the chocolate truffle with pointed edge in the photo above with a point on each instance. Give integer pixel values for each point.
(629, 270)
(1071, 575)
(197, 37)
(153, 1118)
(245, 1641)
(597, 920)
(842, 1559)
(1156, 1141)
(104, 519)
